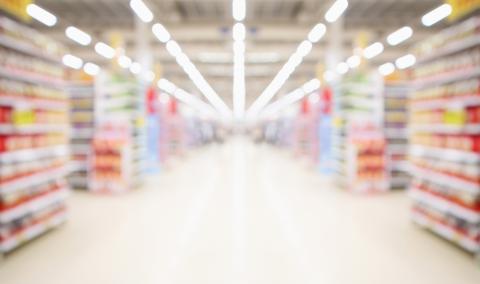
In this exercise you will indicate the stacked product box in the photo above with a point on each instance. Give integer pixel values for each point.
(396, 132)
(82, 95)
(357, 98)
(34, 148)
(445, 135)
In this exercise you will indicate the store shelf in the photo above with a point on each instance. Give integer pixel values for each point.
(27, 49)
(452, 48)
(445, 129)
(33, 205)
(444, 180)
(460, 102)
(12, 101)
(445, 154)
(33, 129)
(446, 232)
(34, 153)
(396, 133)
(33, 180)
(31, 78)
(444, 206)
(447, 78)
(32, 232)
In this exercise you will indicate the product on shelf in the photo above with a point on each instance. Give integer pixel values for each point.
(111, 159)
(358, 100)
(33, 137)
(445, 135)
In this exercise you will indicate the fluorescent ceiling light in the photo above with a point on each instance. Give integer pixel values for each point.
(400, 35)
(336, 10)
(329, 76)
(353, 61)
(166, 86)
(239, 10)
(161, 33)
(342, 68)
(124, 61)
(386, 69)
(317, 33)
(405, 61)
(141, 10)
(239, 32)
(78, 36)
(239, 47)
(105, 50)
(135, 68)
(91, 69)
(173, 48)
(149, 76)
(72, 61)
(41, 15)
(304, 48)
(373, 50)
(436, 15)
(311, 86)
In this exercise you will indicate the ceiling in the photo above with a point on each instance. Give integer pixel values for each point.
(202, 28)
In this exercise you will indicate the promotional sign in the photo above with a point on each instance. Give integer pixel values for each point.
(461, 8)
(17, 8)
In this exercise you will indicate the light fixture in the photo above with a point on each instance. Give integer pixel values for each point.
(238, 47)
(304, 48)
(239, 32)
(239, 10)
(72, 61)
(105, 50)
(373, 50)
(329, 76)
(311, 86)
(386, 69)
(135, 68)
(124, 61)
(317, 33)
(405, 61)
(166, 86)
(161, 33)
(41, 15)
(91, 69)
(400, 35)
(149, 76)
(141, 10)
(342, 68)
(336, 10)
(354, 61)
(78, 35)
(173, 48)
(436, 15)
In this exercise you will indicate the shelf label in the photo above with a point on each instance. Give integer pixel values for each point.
(18, 8)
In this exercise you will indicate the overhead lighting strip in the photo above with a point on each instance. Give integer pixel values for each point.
(314, 36)
(395, 38)
(239, 35)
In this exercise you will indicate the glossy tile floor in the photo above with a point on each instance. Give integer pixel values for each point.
(239, 213)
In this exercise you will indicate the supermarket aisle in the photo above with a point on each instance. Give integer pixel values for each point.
(239, 213)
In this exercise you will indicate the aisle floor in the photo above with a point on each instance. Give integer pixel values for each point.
(239, 213)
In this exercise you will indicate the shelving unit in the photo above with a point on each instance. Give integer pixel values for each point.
(34, 147)
(82, 117)
(119, 98)
(396, 132)
(445, 135)
(357, 98)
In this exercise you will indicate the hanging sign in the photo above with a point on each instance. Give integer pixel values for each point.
(461, 8)
(17, 8)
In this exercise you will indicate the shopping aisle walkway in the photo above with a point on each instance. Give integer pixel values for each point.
(239, 213)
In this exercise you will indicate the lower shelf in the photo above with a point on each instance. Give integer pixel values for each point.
(32, 232)
(446, 232)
